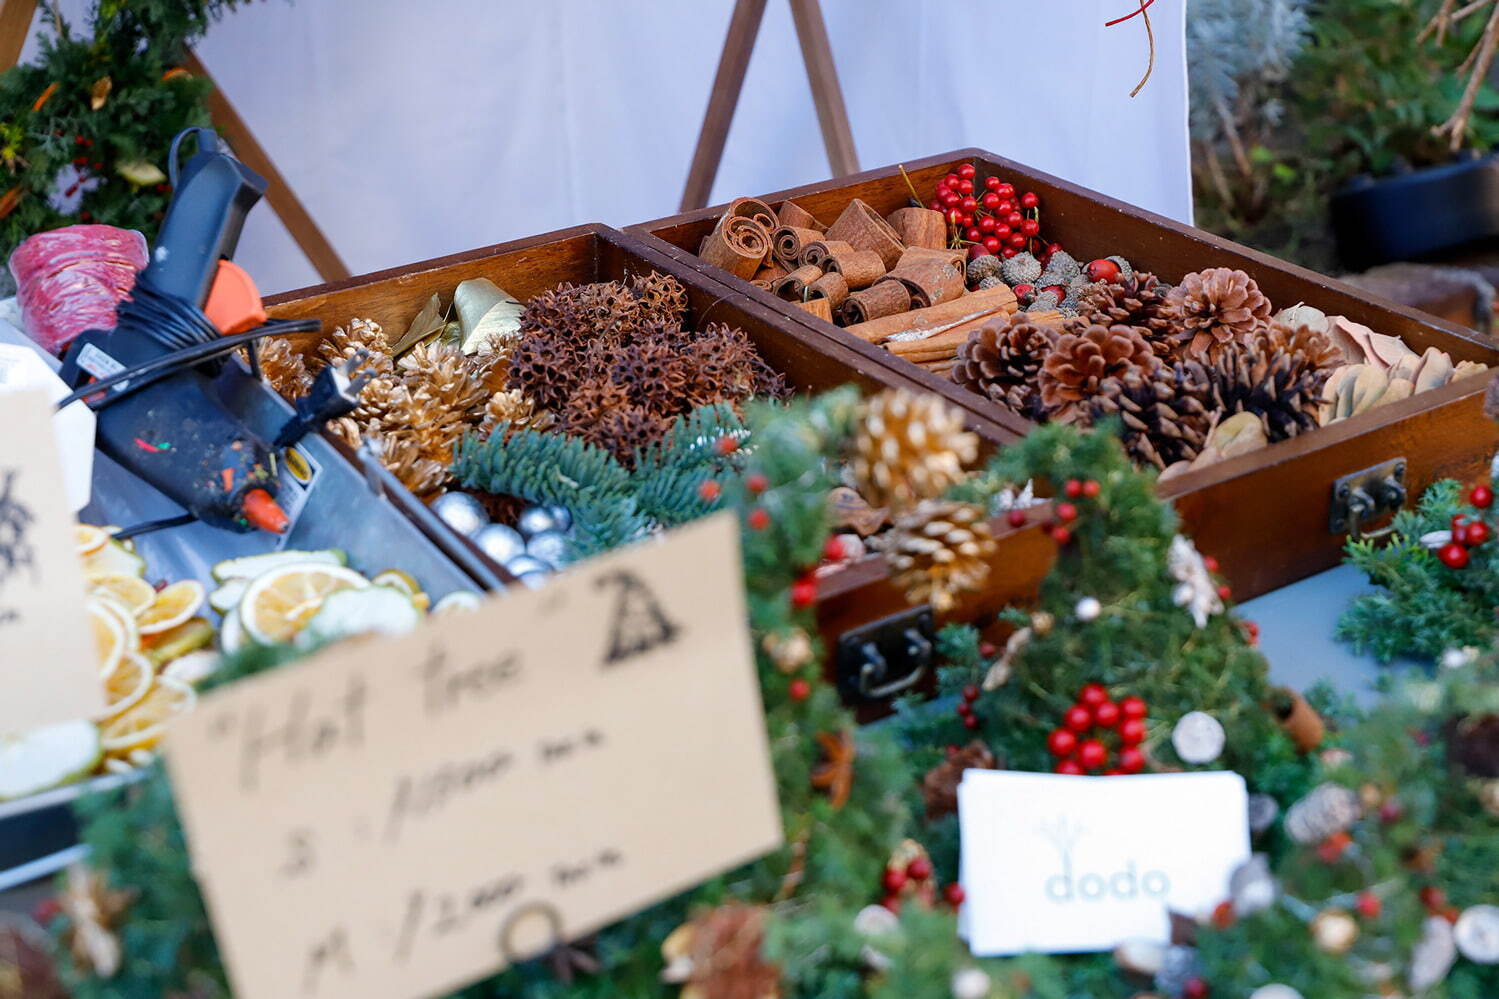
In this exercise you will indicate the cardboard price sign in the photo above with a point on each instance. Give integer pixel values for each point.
(398, 817)
(48, 671)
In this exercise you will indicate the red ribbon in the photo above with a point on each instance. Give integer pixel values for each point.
(1144, 5)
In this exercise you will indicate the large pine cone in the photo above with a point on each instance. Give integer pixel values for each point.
(284, 367)
(1166, 414)
(1080, 362)
(345, 341)
(1283, 390)
(1316, 347)
(1216, 310)
(1003, 361)
(938, 550)
(1138, 300)
(910, 447)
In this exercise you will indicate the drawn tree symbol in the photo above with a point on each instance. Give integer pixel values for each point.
(15, 530)
(639, 623)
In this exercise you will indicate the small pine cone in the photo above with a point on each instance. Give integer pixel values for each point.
(515, 409)
(1216, 310)
(1082, 359)
(910, 447)
(348, 430)
(1316, 347)
(1003, 362)
(345, 341)
(1283, 390)
(403, 457)
(447, 374)
(284, 367)
(1166, 413)
(1138, 301)
(938, 550)
(1022, 268)
(980, 268)
(376, 399)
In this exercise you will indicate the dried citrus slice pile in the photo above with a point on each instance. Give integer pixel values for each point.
(279, 603)
(142, 726)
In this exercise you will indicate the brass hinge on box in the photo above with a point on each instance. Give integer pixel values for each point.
(1361, 497)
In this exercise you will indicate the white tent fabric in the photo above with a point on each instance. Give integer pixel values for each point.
(414, 129)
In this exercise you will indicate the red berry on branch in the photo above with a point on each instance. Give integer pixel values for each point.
(992, 183)
(1131, 760)
(85, 215)
(1091, 489)
(1457, 524)
(1453, 555)
(1017, 242)
(1475, 534)
(986, 224)
(1106, 715)
(974, 234)
(799, 689)
(1092, 754)
(954, 894)
(758, 519)
(971, 721)
(988, 650)
(935, 204)
(1223, 914)
(1432, 897)
(919, 869)
(965, 187)
(1005, 208)
(1481, 497)
(970, 692)
(968, 171)
(968, 219)
(1132, 731)
(1061, 742)
(969, 204)
(992, 244)
(709, 491)
(891, 902)
(1066, 512)
(894, 880)
(1073, 488)
(1008, 252)
(1030, 227)
(1024, 290)
(1195, 988)
(804, 593)
(1014, 220)
(1224, 591)
(1006, 190)
(1070, 767)
(990, 201)
(1061, 535)
(1003, 231)
(756, 483)
(1016, 518)
(964, 709)
(1029, 200)
(1078, 718)
(1334, 846)
(1369, 905)
(1133, 707)
(951, 200)
(1209, 563)
(1056, 290)
(978, 250)
(726, 445)
(1391, 811)
(1092, 695)
(832, 549)
(951, 180)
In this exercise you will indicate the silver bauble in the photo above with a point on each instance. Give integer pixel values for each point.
(501, 543)
(526, 563)
(533, 580)
(1477, 934)
(1275, 992)
(462, 512)
(563, 516)
(549, 546)
(1198, 738)
(534, 520)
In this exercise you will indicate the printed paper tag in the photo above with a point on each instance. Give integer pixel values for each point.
(398, 817)
(1061, 864)
(49, 667)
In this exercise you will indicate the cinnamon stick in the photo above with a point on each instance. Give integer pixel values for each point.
(929, 278)
(943, 343)
(978, 304)
(786, 244)
(766, 276)
(1299, 719)
(919, 227)
(822, 308)
(753, 208)
(860, 268)
(913, 253)
(817, 253)
(793, 287)
(832, 287)
(888, 298)
(793, 214)
(738, 245)
(862, 228)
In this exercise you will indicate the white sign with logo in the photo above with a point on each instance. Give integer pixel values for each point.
(1063, 865)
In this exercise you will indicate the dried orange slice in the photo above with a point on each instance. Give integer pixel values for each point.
(143, 725)
(133, 592)
(173, 606)
(127, 684)
(110, 638)
(88, 539)
(279, 603)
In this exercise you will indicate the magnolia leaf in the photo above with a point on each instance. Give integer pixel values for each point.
(486, 312)
(427, 322)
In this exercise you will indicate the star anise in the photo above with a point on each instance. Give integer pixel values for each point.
(835, 774)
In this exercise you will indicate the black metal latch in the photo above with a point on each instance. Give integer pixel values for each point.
(885, 657)
(1363, 496)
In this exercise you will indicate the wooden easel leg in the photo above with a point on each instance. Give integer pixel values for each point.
(822, 74)
(744, 26)
(15, 25)
(278, 193)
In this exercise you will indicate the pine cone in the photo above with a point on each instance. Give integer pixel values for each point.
(403, 457)
(447, 375)
(284, 367)
(1283, 390)
(910, 447)
(1215, 310)
(342, 344)
(1003, 361)
(1166, 413)
(937, 550)
(1082, 359)
(939, 788)
(1316, 347)
(514, 409)
(1138, 301)
(718, 955)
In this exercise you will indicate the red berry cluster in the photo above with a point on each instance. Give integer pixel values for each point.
(1081, 744)
(965, 706)
(993, 221)
(1435, 901)
(1467, 532)
(918, 872)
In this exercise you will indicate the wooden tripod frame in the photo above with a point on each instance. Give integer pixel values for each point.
(15, 25)
(822, 74)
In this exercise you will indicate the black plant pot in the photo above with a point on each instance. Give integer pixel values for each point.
(1417, 214)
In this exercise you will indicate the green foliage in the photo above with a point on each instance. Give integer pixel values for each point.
(133, 43)
(1422, 607)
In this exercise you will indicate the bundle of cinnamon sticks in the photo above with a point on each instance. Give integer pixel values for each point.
(890, 280)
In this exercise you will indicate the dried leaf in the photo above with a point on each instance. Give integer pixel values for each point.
(175, 73)
(99, 92)
(487, 312)
(427, 322)
(46, 96)
(9, 200)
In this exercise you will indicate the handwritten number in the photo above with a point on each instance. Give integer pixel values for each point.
(333, 949)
